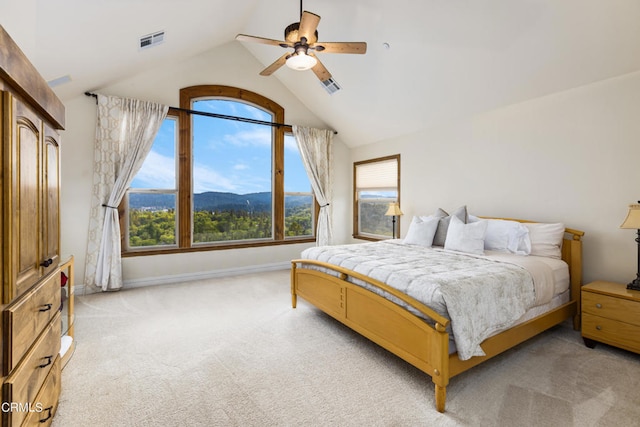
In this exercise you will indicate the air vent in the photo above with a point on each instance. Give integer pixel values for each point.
(151, 40)
(330, 85)
(59, 81)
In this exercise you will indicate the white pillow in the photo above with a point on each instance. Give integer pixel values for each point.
(507, 236)
(463, 237)
(546, 239)
(421, 231)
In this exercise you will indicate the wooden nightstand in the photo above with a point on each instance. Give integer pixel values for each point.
(611, 315)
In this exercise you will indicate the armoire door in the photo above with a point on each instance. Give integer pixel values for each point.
(26, 195)
(51, 201)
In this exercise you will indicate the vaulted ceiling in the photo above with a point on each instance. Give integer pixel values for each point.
(428, 61)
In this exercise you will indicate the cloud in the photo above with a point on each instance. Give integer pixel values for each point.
(157, 172)
(254, 137)
(290, 143)
(207, 179)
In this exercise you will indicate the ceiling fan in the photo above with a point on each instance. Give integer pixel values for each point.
(302, 37)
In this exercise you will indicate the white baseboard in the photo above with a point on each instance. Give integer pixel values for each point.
(188, 277)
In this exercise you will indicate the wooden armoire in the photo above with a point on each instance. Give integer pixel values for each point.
(31, 117)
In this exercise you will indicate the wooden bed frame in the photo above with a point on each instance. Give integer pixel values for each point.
(423, 345)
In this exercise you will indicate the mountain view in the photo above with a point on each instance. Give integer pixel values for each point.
(214, 201)
(218, 216)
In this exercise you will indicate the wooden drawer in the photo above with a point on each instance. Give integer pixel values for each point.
(611, 307)
(612, 332)
(24, 383)
(27, 317)
(46, 402)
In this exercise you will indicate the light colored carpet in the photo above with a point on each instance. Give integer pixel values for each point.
(232, 352)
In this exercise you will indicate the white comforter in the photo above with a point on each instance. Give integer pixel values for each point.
(480, 295)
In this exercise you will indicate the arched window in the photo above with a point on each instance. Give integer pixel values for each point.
(214, 183)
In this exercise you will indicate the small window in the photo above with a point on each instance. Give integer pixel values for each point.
(376, 184)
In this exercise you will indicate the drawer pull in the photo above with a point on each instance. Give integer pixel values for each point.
(44, 365)
(598, 305)
(46, 307)
(598, 327)
(46, 262)
(44, 420)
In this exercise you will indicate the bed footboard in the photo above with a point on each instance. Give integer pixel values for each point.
(423, 344)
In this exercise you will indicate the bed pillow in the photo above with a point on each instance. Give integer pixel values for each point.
(507, 236)
(443, 226)
(546, 239)
(467, 238)
(421, 231)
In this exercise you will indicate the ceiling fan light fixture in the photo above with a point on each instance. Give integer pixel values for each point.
(300, 61)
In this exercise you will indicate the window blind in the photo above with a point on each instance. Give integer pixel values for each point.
(382, 175)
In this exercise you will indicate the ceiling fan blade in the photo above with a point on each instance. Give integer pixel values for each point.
(262, 40)
(308, 26)
(320, 71)
(277, 64)
(341, 47)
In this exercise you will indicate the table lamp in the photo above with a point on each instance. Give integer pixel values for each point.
(394, 211)
(633, 221)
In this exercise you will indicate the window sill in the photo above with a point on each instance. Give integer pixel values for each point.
(217, 247)
(369, 238)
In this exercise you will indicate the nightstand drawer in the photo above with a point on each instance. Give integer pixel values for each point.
(613, 332)
(611, 307)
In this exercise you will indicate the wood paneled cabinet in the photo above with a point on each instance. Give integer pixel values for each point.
(31, 117)
(31, 176)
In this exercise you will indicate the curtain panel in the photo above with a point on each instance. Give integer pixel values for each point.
(315, 147)
(125, 131)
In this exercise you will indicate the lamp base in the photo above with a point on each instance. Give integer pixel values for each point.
(635, 285)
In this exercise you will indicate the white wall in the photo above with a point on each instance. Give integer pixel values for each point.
(17, 18)
(567, 157)
(229, 65)
(570, 157)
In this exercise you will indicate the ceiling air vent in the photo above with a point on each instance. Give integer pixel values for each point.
(151, 40)
(330, 85)
(59, 81)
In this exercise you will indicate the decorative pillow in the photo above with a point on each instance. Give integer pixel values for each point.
(467, 238)
(546, 239)
(421, 231)
(441, 232)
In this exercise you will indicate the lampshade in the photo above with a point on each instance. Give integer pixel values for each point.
(633, 218)
(394, 209)
(301, 61)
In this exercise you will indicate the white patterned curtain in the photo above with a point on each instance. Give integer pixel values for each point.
(315, 149)
(125, 132)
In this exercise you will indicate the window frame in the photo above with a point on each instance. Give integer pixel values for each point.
(356, 208)
(184, 211)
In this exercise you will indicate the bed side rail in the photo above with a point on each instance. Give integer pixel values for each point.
(344, 273)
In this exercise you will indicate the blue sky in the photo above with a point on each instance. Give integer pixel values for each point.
(229, 156)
